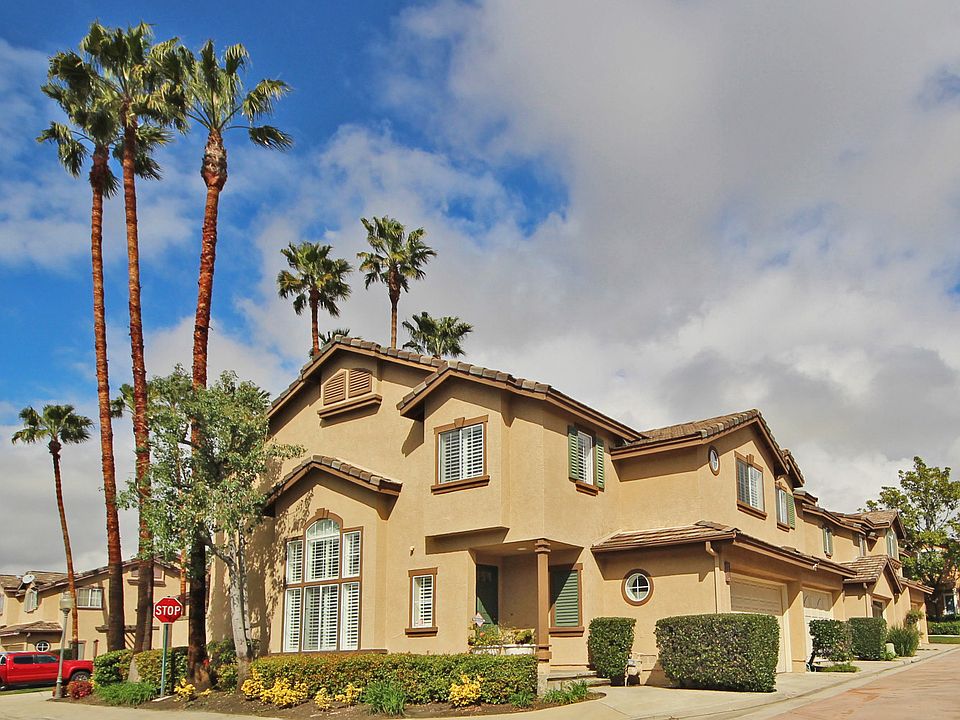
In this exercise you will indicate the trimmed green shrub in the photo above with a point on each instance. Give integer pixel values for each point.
(905, 640)
(223, 663)
(385, 697)
(424, 678)
(522, 699)
(731, 651)
(844, 667)
(869, 637)
(127, 693)
(111, 667)
(149, 666)
(944, 628)
(831, 640)
(609, 645)
(914, 617)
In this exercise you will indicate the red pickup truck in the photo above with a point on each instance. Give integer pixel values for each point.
(37, 668)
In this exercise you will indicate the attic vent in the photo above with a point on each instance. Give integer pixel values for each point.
(360, 382)
(335, 389)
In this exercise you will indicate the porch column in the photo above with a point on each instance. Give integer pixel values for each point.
(542, 550)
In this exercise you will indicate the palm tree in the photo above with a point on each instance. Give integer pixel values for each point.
(317, 281)
(93, 132)
(57, 425)
(138, 82)
(330, 335)
(439, 337)
(394, 261)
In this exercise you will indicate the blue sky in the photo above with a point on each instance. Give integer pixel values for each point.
(669, 210)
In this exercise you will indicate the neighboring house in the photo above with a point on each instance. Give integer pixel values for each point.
(432, 491)
(30, 616)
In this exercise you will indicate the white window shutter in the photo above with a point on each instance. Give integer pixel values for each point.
(472, 451)
(295, 561)
(351, 554)
(329, 625)
(423, 601)
(311, 619)
(291, 621)
(450, 456)
(350, 616)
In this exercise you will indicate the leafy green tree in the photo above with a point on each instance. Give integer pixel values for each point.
(929, 505)
(440, 337)
(395, 259)
(138, 82)
(92, 132)
(208, 482)
(317, 281)
(57, 424)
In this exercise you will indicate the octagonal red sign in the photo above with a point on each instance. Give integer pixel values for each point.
(168, 610)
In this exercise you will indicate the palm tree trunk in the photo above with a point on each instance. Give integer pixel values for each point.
(55, 452)
(143, 638)
(115, 618)
(197, 627)
(393, 285)
(314, 321)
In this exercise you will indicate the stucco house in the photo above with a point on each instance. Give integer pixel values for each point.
(432, 491)
(30, 616)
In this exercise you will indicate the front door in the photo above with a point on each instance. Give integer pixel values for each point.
(488, 593)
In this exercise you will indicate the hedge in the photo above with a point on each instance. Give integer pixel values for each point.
(111, 667)
(149, 667)
(869, 637)
(424, 678)
(951, 627)
(732, 651)
(831, 640)
(905, 640)
(609, 645)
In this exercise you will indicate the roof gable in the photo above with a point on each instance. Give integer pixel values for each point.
(337, 468)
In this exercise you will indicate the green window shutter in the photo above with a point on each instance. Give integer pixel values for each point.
(573, 453)
(565, 597)
(599, 463)
(791, 510)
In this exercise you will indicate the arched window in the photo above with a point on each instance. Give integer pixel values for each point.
(322, 599)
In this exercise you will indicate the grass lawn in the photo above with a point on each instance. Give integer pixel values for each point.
(19, 691)
(945, 639)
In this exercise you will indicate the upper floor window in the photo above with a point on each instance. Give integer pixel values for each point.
(322, 598)
(461, 453)
(892, 543)
(862, 544)
(3, 600)
(585, 457)
(90, 598)
(157, 573)
(749, 484)
(346, 384)
(786, 508)
(827, 540)
(31, 600)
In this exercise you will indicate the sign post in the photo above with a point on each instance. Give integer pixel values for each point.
(167, 611)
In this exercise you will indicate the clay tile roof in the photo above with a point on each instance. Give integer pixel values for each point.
(352, 473)
(869, 568)
(39, 626)
(9, 582)
(699, 532)
(698, 428)
(878, 517)
(44, 577)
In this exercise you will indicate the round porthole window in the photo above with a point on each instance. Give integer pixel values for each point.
(714, 457)
(637, 587)
(42, 646)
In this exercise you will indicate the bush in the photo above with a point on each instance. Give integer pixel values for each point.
(127, 693)
(385, 697)
(77, 689)
(466, 692)
(226, 677)
(844, 667)
(905, 640)
(423, 678)
(492, 635)
(149, 667)
(609, 645)
(574, 692)
(111, 667)
(522, 699)
(831, 640)
(869, 637)
(221, 652)
(944, 628)
(914, 617)
(731, 651)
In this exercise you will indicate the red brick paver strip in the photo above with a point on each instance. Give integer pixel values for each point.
(930, 690)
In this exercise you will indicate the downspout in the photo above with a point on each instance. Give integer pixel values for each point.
(708, 546)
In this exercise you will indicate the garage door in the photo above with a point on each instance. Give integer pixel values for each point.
(816, 606)
(748, 597)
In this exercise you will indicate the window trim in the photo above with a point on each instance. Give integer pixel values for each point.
(339, 581)
(565, 630)
(90, 589)
(438, 487)
(828, 544)
(893, 546)
(623, 587)
(31, 592)
(592, 486)
(431, 630)
(760, 512)
(862, 544)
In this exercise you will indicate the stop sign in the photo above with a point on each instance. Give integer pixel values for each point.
(168, 610)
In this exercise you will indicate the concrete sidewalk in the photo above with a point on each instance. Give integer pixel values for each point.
(631, 703)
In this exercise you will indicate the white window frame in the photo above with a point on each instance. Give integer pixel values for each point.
(88, 603)
(862, 544)
(586, 455)
(3, 602)
(783, 512)
(952, 609)
(636, 591)
(827, 540)
(893, 549)
(471, 461)
(31, 600)
(754, 497)
(423, 585)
